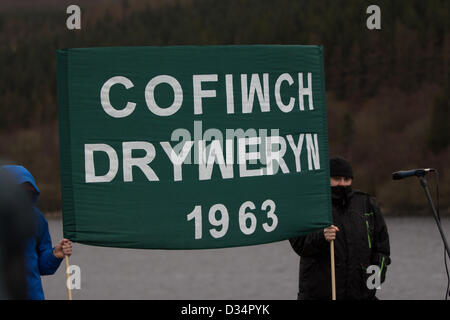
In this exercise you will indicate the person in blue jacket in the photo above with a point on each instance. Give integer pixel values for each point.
(40, 257)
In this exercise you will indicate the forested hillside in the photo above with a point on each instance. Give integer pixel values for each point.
(387, 90)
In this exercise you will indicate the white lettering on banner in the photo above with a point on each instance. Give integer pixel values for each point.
(248, 96)
(305, 91)
(263, 154)
(285, 108)
(256, 153)
(274, 159)
(199, 93)
(142, 163)
(150, 95)
(215, 155)
(106, 103)
(250, 92)
(248, 220)
(245, 216)
(222, 222)
(244, 156)
(177, 159)
(229, 90)
(313, 152)
(270, 214)
(196, 214)
(89, 167)
(297, 149)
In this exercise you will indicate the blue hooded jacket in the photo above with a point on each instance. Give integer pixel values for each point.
(39, 258)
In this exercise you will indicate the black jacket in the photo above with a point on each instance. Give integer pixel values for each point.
(362, 241)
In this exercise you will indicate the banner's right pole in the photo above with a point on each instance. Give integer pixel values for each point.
(333, 277)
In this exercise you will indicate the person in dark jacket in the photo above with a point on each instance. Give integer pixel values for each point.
(40, 257)
(360, 239)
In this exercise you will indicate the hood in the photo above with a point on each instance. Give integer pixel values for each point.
(22, 175)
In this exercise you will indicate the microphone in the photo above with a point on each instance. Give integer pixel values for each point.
(410, 173)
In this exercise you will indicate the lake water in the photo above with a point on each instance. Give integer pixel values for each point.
(268, 271)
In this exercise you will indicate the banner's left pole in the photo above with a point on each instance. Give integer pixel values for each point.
(69, 292)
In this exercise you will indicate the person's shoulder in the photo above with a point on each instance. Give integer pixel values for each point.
(362, 194)
(40, 218)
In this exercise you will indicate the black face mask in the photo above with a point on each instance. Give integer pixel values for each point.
(340, 195)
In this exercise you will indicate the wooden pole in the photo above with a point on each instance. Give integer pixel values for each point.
(69, 292)
(333, 277)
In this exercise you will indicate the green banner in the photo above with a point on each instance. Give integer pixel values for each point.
(192, 147)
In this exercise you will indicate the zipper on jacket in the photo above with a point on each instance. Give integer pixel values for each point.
(368, 234)
(382, 265)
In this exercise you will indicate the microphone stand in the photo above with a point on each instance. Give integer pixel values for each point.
(424, 184)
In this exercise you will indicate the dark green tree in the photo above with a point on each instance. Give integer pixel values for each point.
(439, 132)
